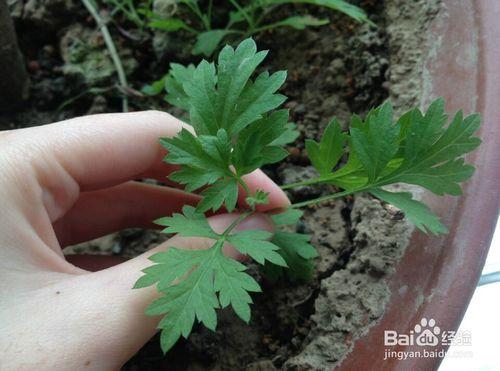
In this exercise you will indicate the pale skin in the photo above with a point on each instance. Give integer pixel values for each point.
(67, 183)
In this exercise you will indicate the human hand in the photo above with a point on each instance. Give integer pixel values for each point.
(69, 182)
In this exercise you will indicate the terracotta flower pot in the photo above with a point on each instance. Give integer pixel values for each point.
(437, 275)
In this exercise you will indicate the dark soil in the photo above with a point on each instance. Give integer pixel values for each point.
(334, 70)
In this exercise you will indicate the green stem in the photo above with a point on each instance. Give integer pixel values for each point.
(246, 214)
(314, 201)
(326, 198)
(235, 223)
(190, 29)
(263, 13)
(243, 185)
(112, 49)
(210, 7)
(321, 179)
(267, 27)
(197, 11)
(247, 17)
(302, 183)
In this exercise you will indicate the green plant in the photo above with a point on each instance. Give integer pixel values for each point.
(246, 19)
(135, 13)
(115, 57)
(237, 128)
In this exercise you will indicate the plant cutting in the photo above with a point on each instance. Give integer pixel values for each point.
(237, 128)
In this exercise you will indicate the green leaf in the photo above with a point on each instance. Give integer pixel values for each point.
(339, 5)
(257, 98)
(297, 252)
(201, 93)
(376, 141)
(420, 130)
(256, 245)
(288, 217)
(419, 149)
(194, 283)
(233, 286)
(208, 41)
(193, 298)
(234, 68)
(442, 179)
(234, 124)
(189, 224)
(224, 96)
(230, 114)
(194, 177)
(174, 81)
(255, 146)
(288, 136)
(170, 265)
(168, 25)
(436, 163)
(206, 158)
(299, 242)
(300, 22)
(222, 191)
(416, 212)
(157, 87)
(259, 198)
(326, 154)
(295, 249)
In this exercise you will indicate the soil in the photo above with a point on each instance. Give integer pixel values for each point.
(333, 71)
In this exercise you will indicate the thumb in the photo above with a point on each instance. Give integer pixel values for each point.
(118, 311)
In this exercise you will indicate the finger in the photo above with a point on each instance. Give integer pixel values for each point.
(108, 149)
(258, 180)
(91, 152)
(129, 205)
(94, 263)
(118, 311)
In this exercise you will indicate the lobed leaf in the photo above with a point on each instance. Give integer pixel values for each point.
(294, 248)
(256, 245)
(207, 42)
(193, 298)
(327, 153)
(376, 141)
(259, 198)
(233, 285)
(196, 282)
(235, 128)
(419, 148)
(223, 191)
(169, 266)
(416, 212)
(174, 85)
(436, 163)
(297, 252)
(205, 158)
(255, 147)
(201, 93)
(288, 217)
(190, 223)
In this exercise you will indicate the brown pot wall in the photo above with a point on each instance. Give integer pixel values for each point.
(438, 275)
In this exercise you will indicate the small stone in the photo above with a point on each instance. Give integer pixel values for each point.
(33, 66)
